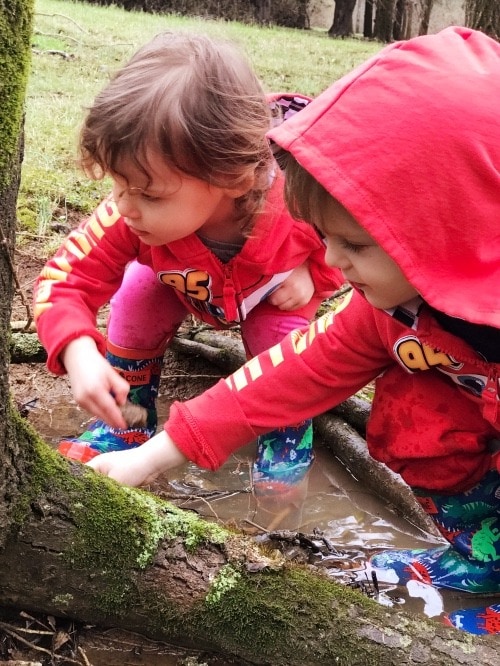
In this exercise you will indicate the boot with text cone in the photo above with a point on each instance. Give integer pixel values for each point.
(142, 370)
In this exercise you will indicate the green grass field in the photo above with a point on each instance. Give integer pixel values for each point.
(76, 46)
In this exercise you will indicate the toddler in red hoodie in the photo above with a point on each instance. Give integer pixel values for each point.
(196, 223)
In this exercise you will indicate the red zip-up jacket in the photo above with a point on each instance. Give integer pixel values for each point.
(88, 268)
(409, 143)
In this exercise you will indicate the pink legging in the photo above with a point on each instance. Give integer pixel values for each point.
(145, 315)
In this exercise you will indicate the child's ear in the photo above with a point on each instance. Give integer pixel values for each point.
(244, 186)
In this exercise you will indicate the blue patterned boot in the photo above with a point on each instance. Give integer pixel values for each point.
(142, 370)
(483, 620)
(470, 522)
(283, 457)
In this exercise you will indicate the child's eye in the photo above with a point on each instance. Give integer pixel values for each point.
(149, 197)
(351, 247)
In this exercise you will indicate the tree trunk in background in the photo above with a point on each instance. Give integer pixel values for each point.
(262, 11)
(368, 19)
(384, 20)
(15, 40)
(483, 15)
(425, 16)
(342, 19)
(399, 20)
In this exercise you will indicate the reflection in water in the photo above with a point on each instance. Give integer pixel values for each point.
(329, 502)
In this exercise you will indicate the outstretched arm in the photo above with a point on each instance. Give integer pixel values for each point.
(310, 371)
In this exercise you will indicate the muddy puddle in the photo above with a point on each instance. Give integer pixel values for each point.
(330, 507)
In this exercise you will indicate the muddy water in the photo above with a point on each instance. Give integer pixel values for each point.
(330, 503)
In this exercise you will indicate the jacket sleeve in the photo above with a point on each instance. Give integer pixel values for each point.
(80, 278)
(312, 370)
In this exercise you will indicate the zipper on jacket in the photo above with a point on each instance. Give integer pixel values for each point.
(490, 399)
(229, 294)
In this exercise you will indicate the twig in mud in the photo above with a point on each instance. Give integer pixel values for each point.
(211, 509)
(19, 289)
(251, 522)
(84, 657)
(13, 634)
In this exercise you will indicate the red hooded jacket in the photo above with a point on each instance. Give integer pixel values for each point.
(409, 143)
(88, 268)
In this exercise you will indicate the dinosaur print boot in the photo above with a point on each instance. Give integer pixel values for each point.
(142, 371)
(470, 522)
(483, 620)
(283, 457)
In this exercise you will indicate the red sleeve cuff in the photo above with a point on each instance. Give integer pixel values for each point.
(55, 332)
(208, 428)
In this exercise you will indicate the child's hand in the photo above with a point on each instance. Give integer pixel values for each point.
(96, 386)
(295, 292)
(139, 466)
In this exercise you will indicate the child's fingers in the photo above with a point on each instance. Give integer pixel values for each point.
(119, 387)
(111, 412)
(122, 466)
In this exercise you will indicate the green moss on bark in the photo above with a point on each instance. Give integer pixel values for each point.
(115, 530)
(16, 18)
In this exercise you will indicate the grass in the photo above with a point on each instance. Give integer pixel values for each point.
(76, 46)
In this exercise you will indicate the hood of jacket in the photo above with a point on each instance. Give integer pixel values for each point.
(409, 143)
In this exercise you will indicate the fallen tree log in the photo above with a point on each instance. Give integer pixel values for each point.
(81, 546)
(117, 557)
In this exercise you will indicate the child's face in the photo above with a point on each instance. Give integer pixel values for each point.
(364, 264)
(172, 205)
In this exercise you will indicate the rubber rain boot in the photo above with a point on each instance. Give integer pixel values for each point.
(470, 522)
(280, 474)
(142, 370)
(482, 620)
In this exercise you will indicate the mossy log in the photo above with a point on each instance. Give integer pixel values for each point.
(81, 546)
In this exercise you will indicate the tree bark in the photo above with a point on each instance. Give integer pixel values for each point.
(342, 19)
(77, 545)
(483, 15)
(384, 20)
(425, 17)
(15, 36)
(368, 19)
(262, 11)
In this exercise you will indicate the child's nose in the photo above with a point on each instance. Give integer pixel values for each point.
(335, 256)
